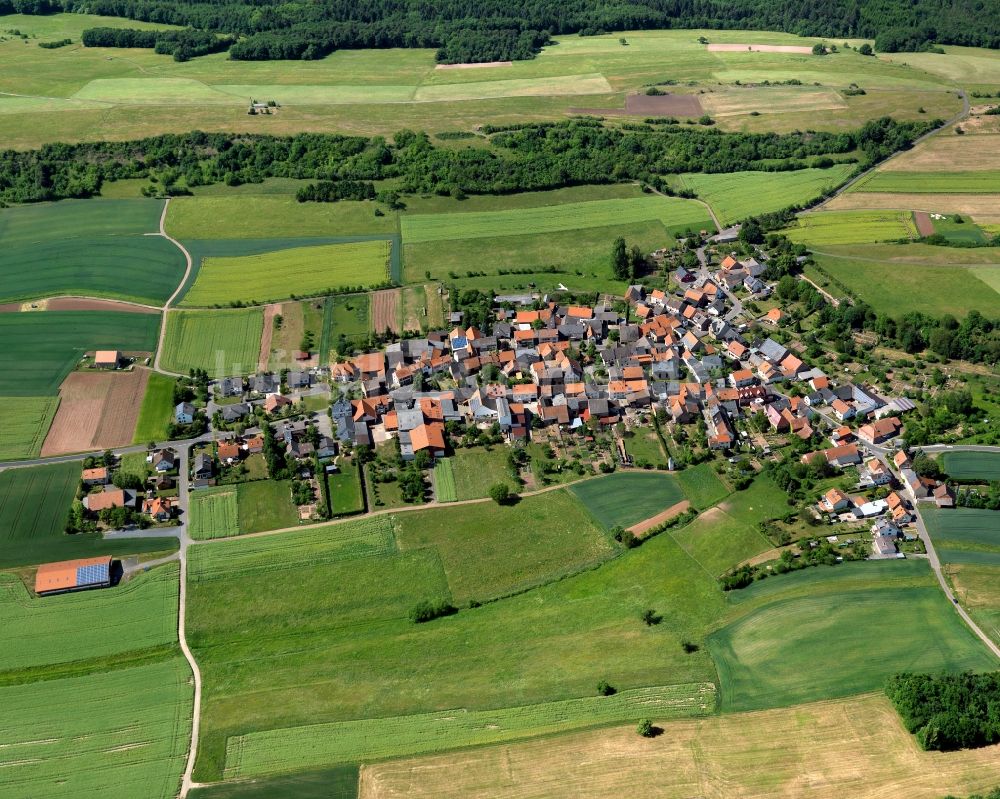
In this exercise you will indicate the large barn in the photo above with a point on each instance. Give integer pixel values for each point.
(73, 575)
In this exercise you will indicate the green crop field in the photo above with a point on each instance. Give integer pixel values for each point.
(373, 739)
(813, 647)
(87, 247)
(156, 411)
(345, 490)
(139, 614)
(625, 498)
(221, 342)
(737, 195)
(985, 182)
(701, 485)
(118, 734)
(34, 506)
(852, 227)
(983, 466)
(340, 782)
(26, 421)
(53, 341)
(959, 229)
(931, 289)
(213, 513)
(296, 271)
(444, 481)
(963, 528)
(265, 505)
(672, 212)
(489, 550)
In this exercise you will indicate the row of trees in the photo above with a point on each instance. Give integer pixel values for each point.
(182, 45)
(488, 30)
(948, 711)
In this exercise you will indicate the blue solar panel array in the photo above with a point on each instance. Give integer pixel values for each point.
(88, 575)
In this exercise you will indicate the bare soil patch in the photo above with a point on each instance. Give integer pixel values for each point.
(654, 521)
(483, 65)
(758, 48)
(385, 310)
(923, 221)
(97, 410)
(661, 105)
(10, 307)
(88, 304)
(267, 334)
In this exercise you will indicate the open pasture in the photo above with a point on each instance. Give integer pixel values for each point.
(345, 490)
(852, 227)
(54, 341)
(911, 182)
(624, 498)
(983, 466)
(701, 485)
(737, 195)
(97, 410)
(265, 505)
(963, 528)
(139, 614)
(90, 248)
(718, 542)
(672, 212)
(213, 513)
(223, 342)
(117, 734)
(770, 754)
(374, 739)
(476, 469)
(348, 317)
(489, 550)
(780, 654)
(739, 101)
(296, 271)
(26, 423)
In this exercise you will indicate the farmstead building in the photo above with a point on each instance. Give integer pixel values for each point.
(73, 575)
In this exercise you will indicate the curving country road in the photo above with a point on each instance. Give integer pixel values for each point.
(172, 297)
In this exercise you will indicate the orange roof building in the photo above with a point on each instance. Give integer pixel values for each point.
(428, 437)
(73, 575)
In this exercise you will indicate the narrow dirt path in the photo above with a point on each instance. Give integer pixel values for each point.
(170, 300)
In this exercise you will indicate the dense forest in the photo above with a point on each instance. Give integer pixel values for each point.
(486, 30)
(526, 158)
(950, 711)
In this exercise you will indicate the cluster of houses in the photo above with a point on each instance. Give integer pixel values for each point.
(104, 495)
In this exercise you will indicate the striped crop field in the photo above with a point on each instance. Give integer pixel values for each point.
(26, 421)
(983, 466)
(296, 271)
(214, 513)
(737, 195)
(120, 734)
(139, 614)
(444, 481)
(373, 739)
(963, 528)
(221, 342)
(672, 212)
(986, 182)
(852, 227)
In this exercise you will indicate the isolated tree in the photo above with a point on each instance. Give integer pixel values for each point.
(500, 493)
(819, 49)
(619, 259)
(866, 49)
(646, 729)
(604, 688)
(651, 617)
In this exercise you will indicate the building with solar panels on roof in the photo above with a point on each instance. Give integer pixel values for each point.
(73, 575)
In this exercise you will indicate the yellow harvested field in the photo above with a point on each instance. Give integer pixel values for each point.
(826, 750)
(981, 207)
(771, 100)
(949, 154)
(758, 48)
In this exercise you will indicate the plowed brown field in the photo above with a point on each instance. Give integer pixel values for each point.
(385, 311)
(97, 410)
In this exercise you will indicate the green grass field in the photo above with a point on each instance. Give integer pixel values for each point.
(971, 465)
(963, 528)
(296, 271)
(985, 182)
(345, 490)
(117, 734)
(222, 342)
(26, 422)
(490, 550)
(852, 227)
(737, 195)
(213, 513)
(265, 505)
(444, 481)
(701, 485)
(962, 232)
(348, 317)
(90, 248)
(53, 341)
(812, 647)
(476, 469)
(34, 506)
(139, 614)
(373, 739)
(718, 542)
(624, 498)
(156, 411)
(340, 782)
(672, 212)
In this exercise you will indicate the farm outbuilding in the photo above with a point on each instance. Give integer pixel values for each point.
(73, 575)
(107, 359)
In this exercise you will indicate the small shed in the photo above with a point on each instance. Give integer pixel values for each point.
(107, 359)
